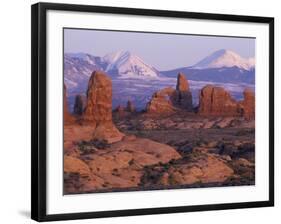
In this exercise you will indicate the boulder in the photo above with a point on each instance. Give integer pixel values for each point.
(218, 102)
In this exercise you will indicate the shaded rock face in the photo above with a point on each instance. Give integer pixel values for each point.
(66, 115)
(248, 104)
(79, 105)
(162, 102)
(184, 100)
(130, 107)
(98, 109)
(217, 101)
(184, 96)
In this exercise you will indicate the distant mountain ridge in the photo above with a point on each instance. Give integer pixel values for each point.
(78, 68)
(221, 66)
(126, 63)
(225, 59)
(221, 75)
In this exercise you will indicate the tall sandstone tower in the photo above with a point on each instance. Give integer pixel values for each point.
(98, 111)
(184, 96)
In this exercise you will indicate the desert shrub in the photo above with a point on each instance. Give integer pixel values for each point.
(166, 166)
(88, 147)
(100, 144)
(131, 162)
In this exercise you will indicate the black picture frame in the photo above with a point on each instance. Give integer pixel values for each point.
(38, 108)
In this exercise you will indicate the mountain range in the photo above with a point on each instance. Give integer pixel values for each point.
(135, 79)
(227, 59)
(221, 66)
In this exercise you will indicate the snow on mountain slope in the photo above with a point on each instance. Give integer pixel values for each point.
(225, 58)
(78, 67)
(125, 63)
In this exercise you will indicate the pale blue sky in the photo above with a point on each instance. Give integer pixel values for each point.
(163, 51)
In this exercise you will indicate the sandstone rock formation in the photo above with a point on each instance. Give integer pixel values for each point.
(99, 98)
(98, 157)
(168, 100)
(79, 105)
(119, 166)
(120, 111)
(204, 168)
(98, 109)
(182, 83)
(78, 176)
(184, 96)
(75, 165)
(130, 106)
(162, 102)
(66, 115)
(107, 132)
(248, 104)
(217, 101)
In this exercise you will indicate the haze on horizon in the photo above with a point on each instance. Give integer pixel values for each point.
(163, 51)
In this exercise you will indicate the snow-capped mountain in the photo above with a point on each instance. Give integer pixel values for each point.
(136, 80)
(223, 66)
(125, 63)
(122, 66)
(225, 59)
(78, 68)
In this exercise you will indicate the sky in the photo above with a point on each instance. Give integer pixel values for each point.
(163, 51)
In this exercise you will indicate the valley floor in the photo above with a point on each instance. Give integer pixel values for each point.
(161, 152)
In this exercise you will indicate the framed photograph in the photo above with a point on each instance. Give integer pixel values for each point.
(140, 111)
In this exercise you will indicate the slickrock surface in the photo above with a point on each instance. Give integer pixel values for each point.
(119, 165)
